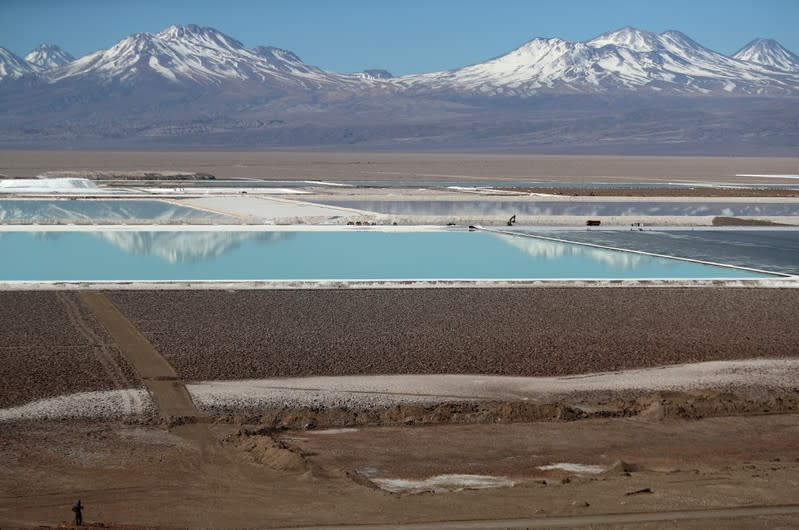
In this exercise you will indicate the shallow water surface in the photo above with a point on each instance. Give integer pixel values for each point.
(49, 210)
(322, 255)
(594, 208)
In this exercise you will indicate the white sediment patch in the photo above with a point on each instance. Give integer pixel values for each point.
(332, 431)
(502, 192)
(272, 208)
(442, 483)
(53, 186)
(224, 191)
(101, 404)
(390, 390)
(787, 282)
(490, 191)
(714, 185)
(766, 175)
(574, 468)
(326, 183)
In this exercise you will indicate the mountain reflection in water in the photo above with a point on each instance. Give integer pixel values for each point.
(552, 250)
(594, 208)
(54, 210)
(187, 247)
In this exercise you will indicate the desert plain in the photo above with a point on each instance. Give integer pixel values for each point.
(471, 407)
(336, 166)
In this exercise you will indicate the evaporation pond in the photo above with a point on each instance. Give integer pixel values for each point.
(49, 210)
(552, 207)
(321, 255)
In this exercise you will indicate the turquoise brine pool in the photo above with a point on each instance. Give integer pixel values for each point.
(122, 255)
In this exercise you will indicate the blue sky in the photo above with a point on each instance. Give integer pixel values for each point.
(403, 36)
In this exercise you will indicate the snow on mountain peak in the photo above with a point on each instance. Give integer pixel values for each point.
(679, 37)
(12, 66)
(626, 59)
(769, 52)
(375, 73)
(197, 56)
(203, 36)
(189, 31)
(627, 37)
(278, 54)
(178, 30)
(46, 56)
(543, 45)
(641, 41)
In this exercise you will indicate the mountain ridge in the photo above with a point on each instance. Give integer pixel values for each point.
(768, 52)
(47, 56)
(195, 86)
(190, 54)
(624, 59)
(12, 66)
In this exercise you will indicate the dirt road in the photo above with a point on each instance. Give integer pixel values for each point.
(168, 392)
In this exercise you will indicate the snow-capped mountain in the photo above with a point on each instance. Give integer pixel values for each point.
(769, 52)
(624, 60)
(12, 66)
(195, 55)
(628, 59)
(375, 74)
(47, 56)
(195, 86)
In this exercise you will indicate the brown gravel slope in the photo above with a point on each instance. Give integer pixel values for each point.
(51, 345)
(253, 334)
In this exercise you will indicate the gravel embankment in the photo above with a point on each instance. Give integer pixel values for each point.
(210, 335)
(51, 345)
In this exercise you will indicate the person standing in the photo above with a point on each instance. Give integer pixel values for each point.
(78, 509)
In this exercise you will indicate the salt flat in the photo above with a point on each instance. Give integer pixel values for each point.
(272, 209)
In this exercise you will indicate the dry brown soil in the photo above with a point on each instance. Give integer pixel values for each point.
(50, 344)
(529, 332)
(734, 221)
(206, 475)
(660, 454)
(410, 166)
(517, 449)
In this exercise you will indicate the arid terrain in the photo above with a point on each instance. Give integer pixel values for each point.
(523, 332)
(542, 405)
(276, 165)
(640, 453)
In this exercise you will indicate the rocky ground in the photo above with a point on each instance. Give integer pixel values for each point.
(50, 344)
(586, 455)
(240, 474)
(527, 332)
